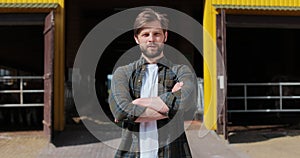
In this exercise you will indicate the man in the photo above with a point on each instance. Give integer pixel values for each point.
(150, 95)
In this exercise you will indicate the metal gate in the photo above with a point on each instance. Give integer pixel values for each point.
(264, 97)
(19, 86)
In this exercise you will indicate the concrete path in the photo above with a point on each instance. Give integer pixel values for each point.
(79, 143)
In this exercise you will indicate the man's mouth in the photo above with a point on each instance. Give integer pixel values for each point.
(152, 46)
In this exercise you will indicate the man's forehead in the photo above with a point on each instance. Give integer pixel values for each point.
(151, 26)
(143, 29)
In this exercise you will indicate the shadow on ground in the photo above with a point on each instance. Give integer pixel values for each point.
(79, 134)
(250, 134)
(87, 130)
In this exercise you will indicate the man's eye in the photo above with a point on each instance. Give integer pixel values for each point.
(145, 35)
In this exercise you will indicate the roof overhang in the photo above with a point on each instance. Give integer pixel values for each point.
(29, 5)
(251, 7)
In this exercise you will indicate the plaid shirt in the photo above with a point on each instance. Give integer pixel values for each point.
(126, 86)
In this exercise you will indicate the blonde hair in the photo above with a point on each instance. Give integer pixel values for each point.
(149, 15)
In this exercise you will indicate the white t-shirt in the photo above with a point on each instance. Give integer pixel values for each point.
(148, 130)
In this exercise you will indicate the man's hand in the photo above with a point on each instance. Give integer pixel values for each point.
(177, 86)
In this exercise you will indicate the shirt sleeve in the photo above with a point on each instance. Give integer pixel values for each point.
(186, 98)
(120, 100)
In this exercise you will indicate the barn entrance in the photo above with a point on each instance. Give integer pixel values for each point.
(263, 80)
(22, 71)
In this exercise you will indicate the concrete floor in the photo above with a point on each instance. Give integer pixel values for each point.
(267, 142)
(278, 142)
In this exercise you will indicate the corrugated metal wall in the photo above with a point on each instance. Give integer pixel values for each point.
(29, 5)
(285, 3)
(31, 1)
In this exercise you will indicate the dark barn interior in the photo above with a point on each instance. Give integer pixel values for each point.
(22, 47)
(263, 55)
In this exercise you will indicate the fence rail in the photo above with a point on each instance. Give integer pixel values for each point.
(12, 85)
(274, 93)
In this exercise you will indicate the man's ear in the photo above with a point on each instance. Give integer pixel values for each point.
(166, 36)
(136, 39)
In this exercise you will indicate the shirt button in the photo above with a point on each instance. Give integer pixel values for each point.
(139, 81)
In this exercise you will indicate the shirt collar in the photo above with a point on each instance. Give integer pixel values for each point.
(162, 61)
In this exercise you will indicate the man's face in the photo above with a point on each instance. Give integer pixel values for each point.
(151, 39)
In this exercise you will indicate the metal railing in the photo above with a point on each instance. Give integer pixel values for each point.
(274, 92)
(200, 99)
(18, 86)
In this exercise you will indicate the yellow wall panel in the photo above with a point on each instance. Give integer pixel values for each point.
(209, 66)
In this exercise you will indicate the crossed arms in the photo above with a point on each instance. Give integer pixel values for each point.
(153, 108)
(156, 109)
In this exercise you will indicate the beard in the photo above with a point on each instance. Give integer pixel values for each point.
(151, 52)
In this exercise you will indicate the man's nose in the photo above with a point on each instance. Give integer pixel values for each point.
(151, 37)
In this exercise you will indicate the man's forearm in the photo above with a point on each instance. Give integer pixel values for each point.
(150, 115)
(154, 103)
